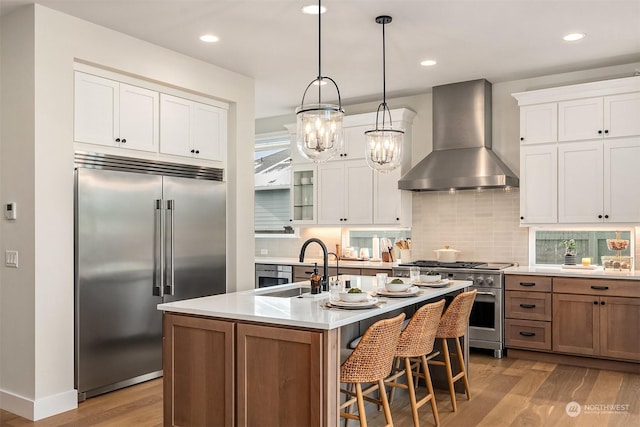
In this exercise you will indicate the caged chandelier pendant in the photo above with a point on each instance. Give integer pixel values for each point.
(384, 143)
(319, 126)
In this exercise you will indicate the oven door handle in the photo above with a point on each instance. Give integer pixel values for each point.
(486, 293)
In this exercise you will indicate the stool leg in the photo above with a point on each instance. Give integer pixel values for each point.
(385, 403)
(427, 377)
(362, 415)
(396, 365)
(447, 365)
(412, 392)
(465, 379)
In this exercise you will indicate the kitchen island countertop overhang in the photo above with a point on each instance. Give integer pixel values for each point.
(305, 312)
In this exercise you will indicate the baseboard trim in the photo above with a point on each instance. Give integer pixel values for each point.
(35, 410)
(582, 361)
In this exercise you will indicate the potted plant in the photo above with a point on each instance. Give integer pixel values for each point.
(569, 251)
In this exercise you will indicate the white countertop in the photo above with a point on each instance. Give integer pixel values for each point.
(598, 273)
(301, 312)
(332, 262)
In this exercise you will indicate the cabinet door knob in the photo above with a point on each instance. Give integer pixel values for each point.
(193, 151)
(601, 302)
(522, 138)
(521, 218)
(595, 303)
(606, 216)
(117, 139)
(600, 132)
(124, 140)
(197, 151)
(606, 131)
(600, 216)
(397, 219)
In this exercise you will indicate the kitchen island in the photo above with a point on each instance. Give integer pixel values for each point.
(253, 359)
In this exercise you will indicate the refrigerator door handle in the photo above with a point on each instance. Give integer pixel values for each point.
(158, 251)
(169, 282)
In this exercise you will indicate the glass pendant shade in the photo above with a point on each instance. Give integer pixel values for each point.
(384, 143)
(319, 126)
(319, 131)
(384, 149)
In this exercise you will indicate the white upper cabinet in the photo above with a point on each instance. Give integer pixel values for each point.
(192, 129)
(390, 205)
(593, 177)
(580, 119)
(599, 117)
(115, 114)
(622, 180)
(345, 193)
(539, 123)
(539, 184)
(580, 182)
(354, 143)
(622, 115)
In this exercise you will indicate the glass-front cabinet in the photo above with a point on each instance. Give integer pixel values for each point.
(304, 194)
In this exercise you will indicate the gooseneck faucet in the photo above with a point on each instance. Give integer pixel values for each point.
(325, 257)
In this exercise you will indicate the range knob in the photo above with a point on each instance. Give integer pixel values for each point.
(470, 279)
(488, 281)
(479, 280)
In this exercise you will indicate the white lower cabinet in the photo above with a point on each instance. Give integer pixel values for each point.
(345, 193)
(538, 184)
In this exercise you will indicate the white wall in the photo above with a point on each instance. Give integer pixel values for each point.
(485, 226)
(39, 49)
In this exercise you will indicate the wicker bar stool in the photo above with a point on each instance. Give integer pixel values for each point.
(453, 324)
(371, 362)
(416, 341)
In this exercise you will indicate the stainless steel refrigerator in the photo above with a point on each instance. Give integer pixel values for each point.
(145, 233)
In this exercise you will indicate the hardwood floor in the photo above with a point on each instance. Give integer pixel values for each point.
(504, 392)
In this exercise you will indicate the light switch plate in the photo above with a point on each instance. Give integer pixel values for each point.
(11, 259)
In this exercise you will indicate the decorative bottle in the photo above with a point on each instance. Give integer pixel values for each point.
(315, 280)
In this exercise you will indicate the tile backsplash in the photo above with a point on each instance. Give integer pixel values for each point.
(484, 225)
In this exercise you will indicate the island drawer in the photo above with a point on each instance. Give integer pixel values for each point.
(599, 287)
(528, 305)
(529, 334)
(527, 283)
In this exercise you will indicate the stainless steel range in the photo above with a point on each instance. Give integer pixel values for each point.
(486, 324)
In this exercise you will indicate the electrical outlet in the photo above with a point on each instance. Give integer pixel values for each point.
(264, 251)
(11, 259)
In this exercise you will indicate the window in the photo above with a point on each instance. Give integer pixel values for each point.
(589, 244)
(272, 173)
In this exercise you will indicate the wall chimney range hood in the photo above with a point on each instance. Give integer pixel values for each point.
(462, 158)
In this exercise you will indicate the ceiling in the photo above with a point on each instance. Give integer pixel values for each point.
(273, 42)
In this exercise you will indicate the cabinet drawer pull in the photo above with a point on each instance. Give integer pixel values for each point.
(528, 334)
(527, 284)
(528, 305)
(600, 288)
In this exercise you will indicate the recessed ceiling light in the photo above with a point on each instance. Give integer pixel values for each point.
(428, 62)
(209, 38)
(313, 9)
(573, 37)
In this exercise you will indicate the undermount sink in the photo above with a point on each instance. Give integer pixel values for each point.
(287, 293)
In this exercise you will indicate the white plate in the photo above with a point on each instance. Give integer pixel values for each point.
(371, 302)
(439, 284)
(411, 292)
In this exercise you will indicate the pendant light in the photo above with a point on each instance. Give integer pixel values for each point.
(319, 126)
(384, 143)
